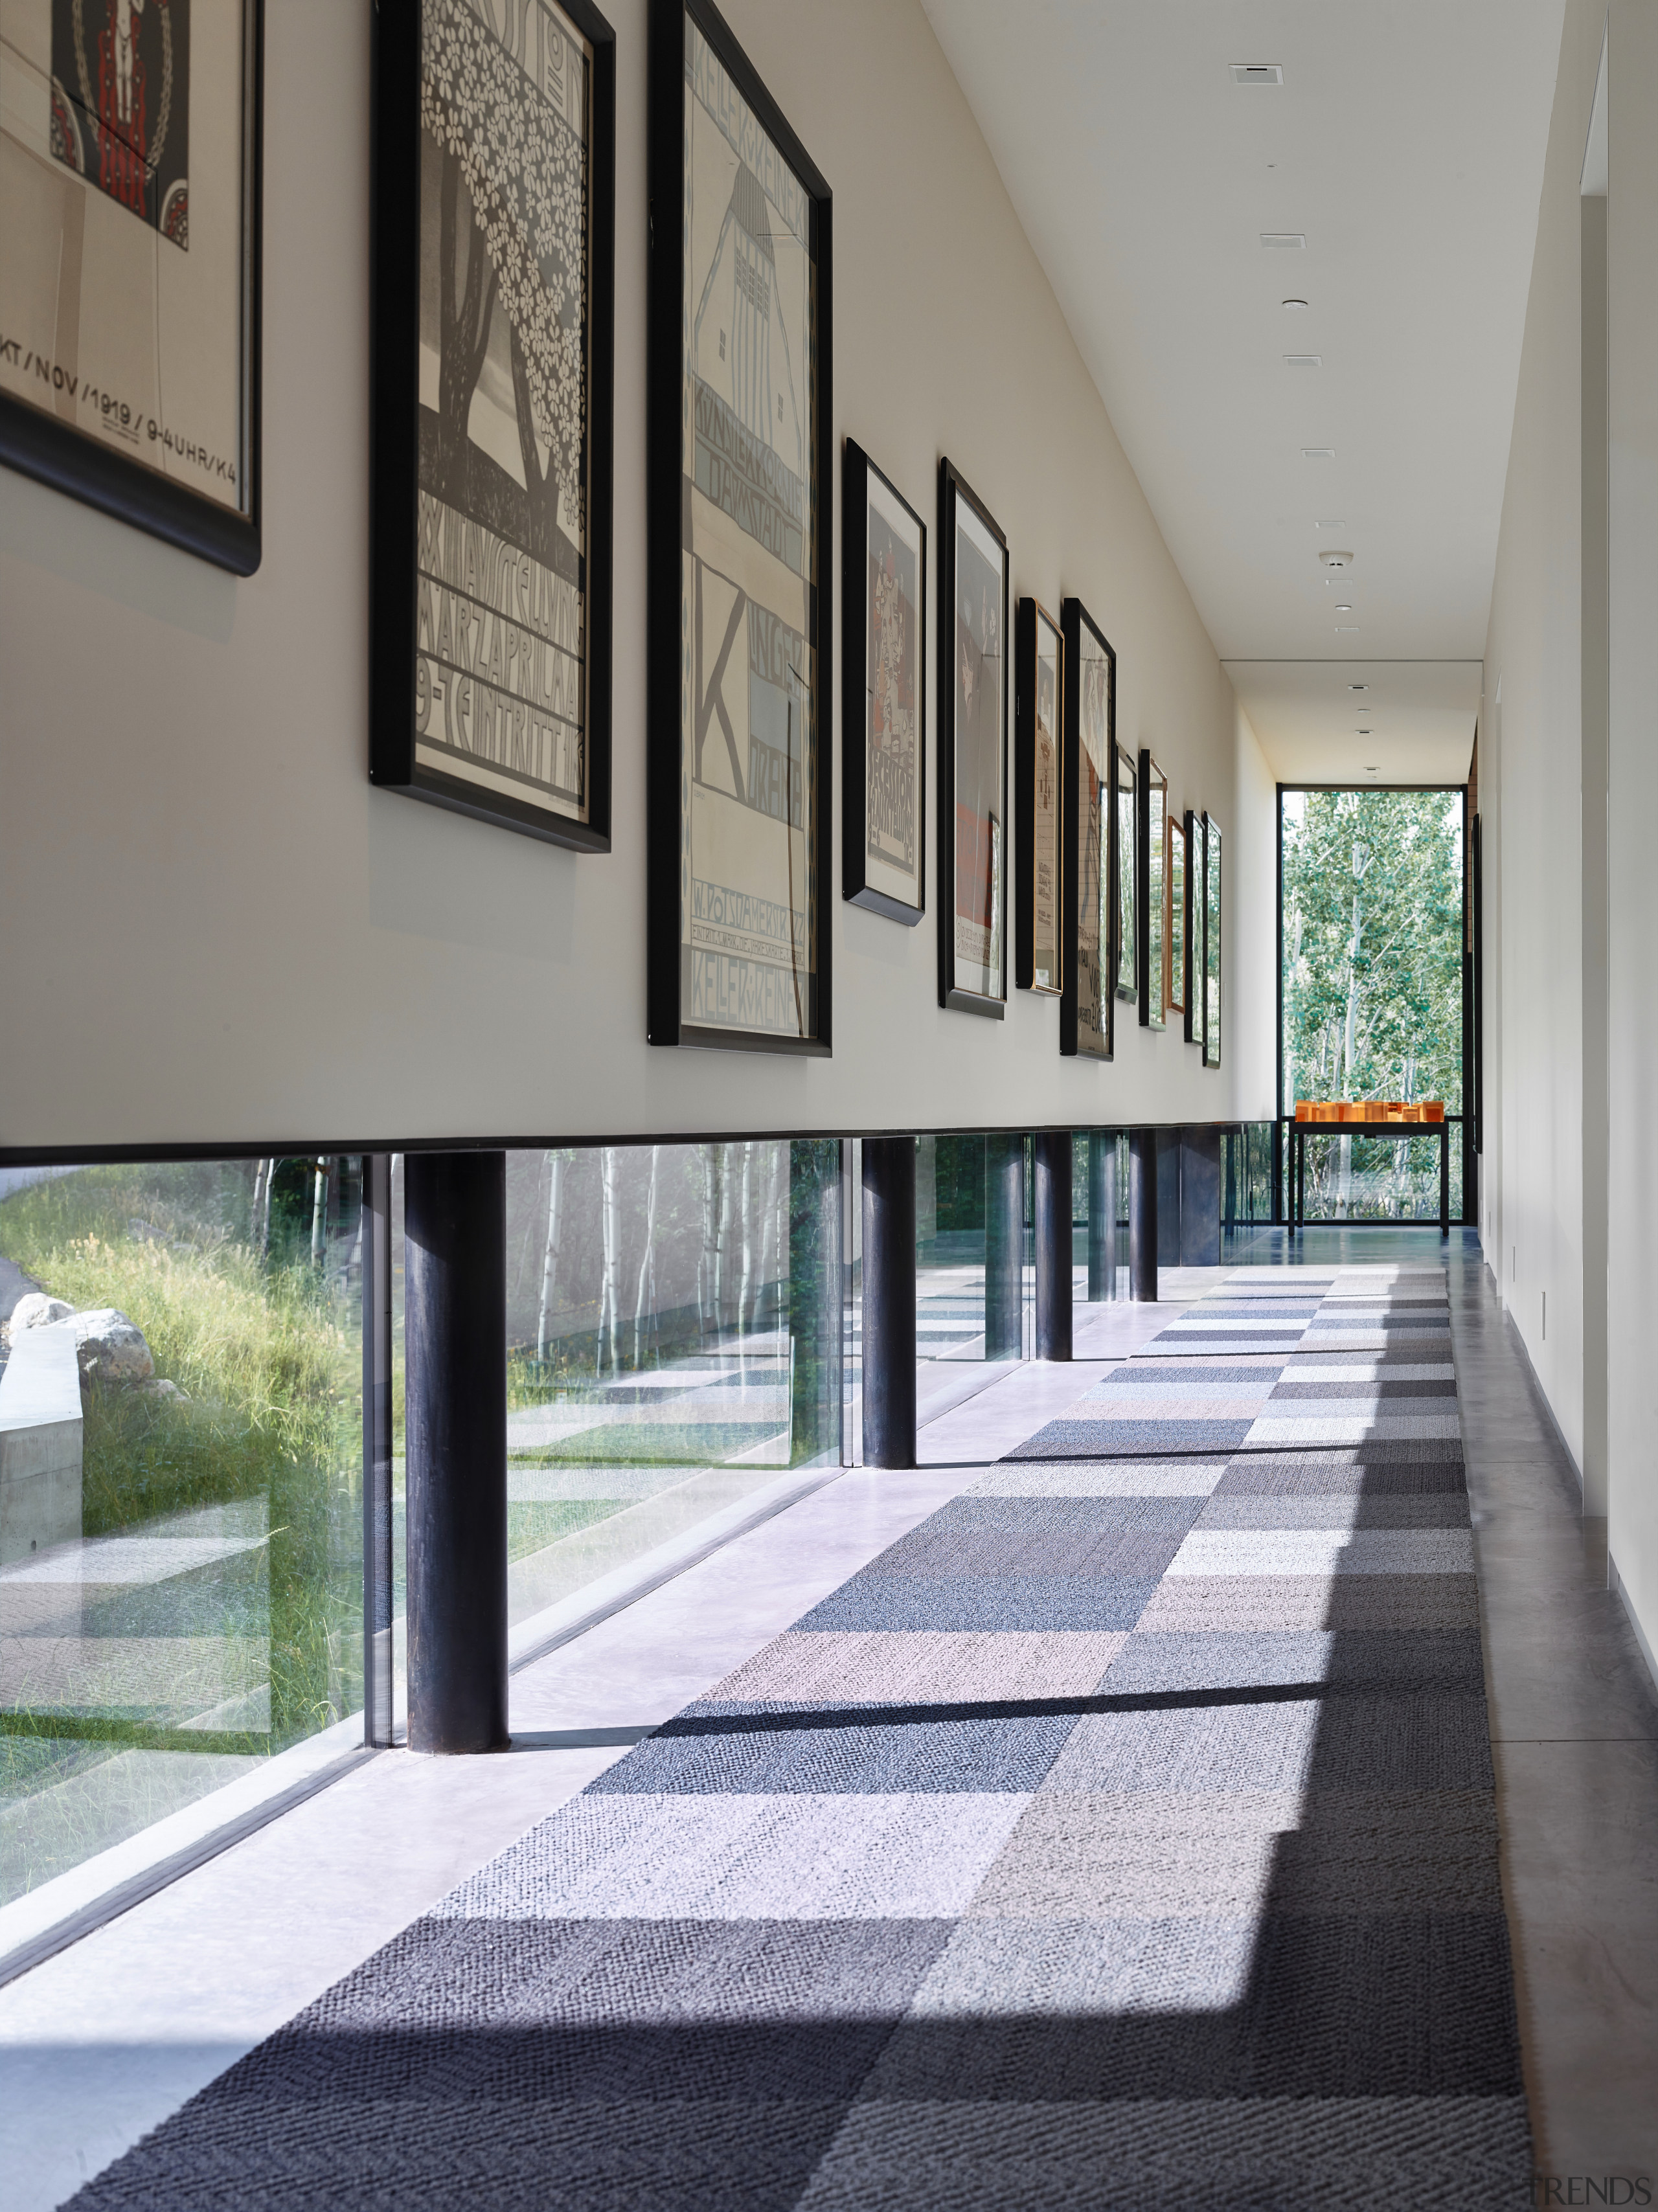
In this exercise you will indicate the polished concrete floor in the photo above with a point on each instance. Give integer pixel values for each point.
(99, 2044)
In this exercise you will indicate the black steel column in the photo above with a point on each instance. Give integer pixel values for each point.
(1445, 1179)
(889, 1301)
(1050, 1159)
(1004, 1247)
(1102, 1215)
(455, 1212)
(377, 1564)
(1143, 1214)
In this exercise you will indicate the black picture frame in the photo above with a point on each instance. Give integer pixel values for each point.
(1151, 889)
(54, 451)
(985, 650)
(1177, 899)
(1213, 963)
(429, 534)
(684, 999)
(1039, 794)
(1127, 934)
(1194, 926)
(859, 655)
(1088, 1004)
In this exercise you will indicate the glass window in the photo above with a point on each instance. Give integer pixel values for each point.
(674, 1321)
(180, 1488)
(1372, 987)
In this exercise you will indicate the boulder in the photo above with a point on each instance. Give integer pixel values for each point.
(109, 1347)
(168, 1391)
(36, 1309)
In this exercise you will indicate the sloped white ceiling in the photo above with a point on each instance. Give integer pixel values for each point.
(1407, 144)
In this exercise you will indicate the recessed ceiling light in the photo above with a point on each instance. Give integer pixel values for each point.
(1295, 306)
(1336, 522)
(1357, 687)
(1258, 73)
(1335, 559)
(1347, 629)
(1342, 607)
(1303, 361)
(1369, 771)
(1364, 733)
(1318, 453)
(1290, 239)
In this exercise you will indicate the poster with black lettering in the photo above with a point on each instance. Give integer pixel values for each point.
(1039, 690)
(129, 261)
(883, 694)
(738, 815)
(1088, 1000)
(493, 268)
(972, 751)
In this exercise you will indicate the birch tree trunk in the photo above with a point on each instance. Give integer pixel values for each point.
(549, 1255)
(319, 1210)
(644, 1299)
(607, 1300)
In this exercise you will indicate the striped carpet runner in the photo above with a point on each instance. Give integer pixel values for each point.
(1122, 1836)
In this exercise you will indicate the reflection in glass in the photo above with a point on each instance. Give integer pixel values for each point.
(180, 1455)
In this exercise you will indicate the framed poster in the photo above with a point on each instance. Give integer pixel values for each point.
(883, 617)
(738, 802)
(1150, 863)
(1174, 922)
(1087, 1001)
(130, 164)
(1211, 942)
(1194, 927)
(972, 751)
(1039, 690)
(1124, 829)
(494, 161)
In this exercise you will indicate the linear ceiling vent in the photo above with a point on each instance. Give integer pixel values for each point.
(1257, 73)
(1284, 238)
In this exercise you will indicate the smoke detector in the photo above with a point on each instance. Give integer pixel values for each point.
(1334, 560)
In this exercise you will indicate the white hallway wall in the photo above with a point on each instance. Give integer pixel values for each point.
(216, 932)
(1632, 974)
(1539, 801)
(1530, 773)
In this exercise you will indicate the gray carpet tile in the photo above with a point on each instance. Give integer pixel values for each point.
(1122, 1836)
(761, 1753)
(967, 1601)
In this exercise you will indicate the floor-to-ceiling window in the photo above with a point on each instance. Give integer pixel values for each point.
(1373, 987)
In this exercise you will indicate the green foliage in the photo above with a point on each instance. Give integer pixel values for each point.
(272, 1372)
(1372, 946)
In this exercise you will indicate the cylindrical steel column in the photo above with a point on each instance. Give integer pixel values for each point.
(1050, 1211)
(1102, 1214)
(1005, 1246)
(456, 1424)
(1143, 1214)
(889, 1301)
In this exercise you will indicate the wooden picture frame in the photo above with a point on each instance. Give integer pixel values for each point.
(883, 691)
(1150, 889)
(973, 750)
(1125, 935)
(1193, 1010)
(1039, 811)
(1212, 966)
(1088, 1004)
(129, 355)
(489, 677)
(1175, 928)
(739, 841)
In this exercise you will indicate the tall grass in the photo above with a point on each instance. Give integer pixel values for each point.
(268, 1358)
